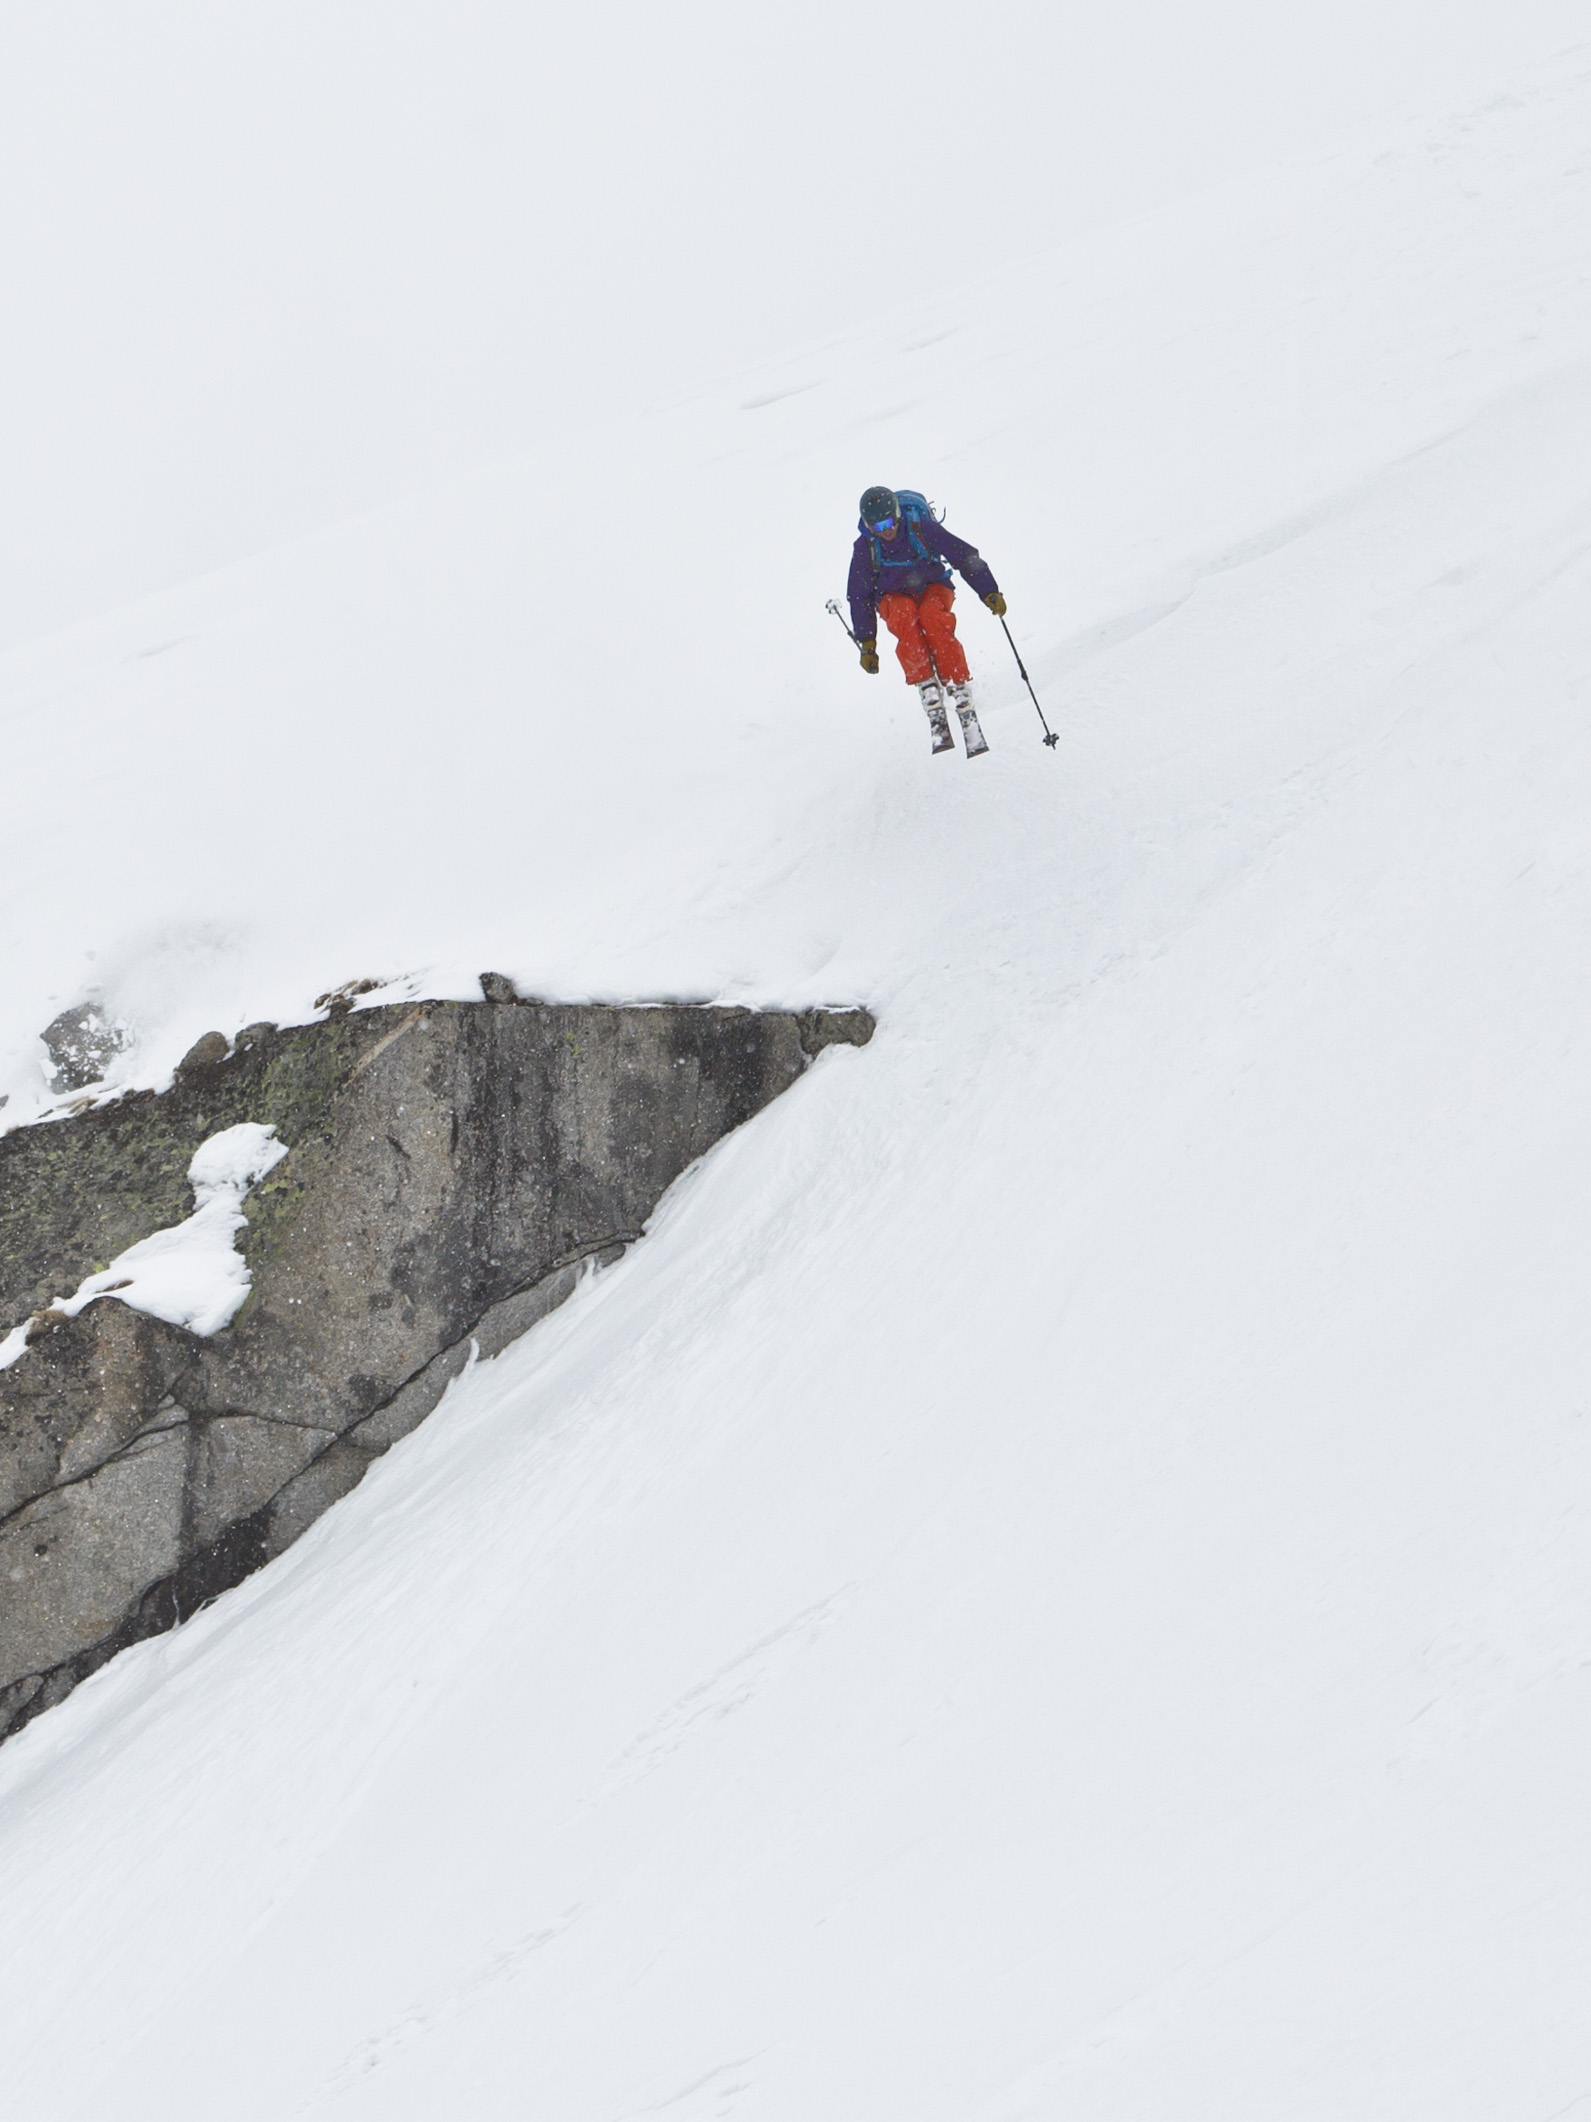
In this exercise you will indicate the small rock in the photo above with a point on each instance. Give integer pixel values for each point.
(204, 1053)
(82, 1042)
(45, 1322)
(497, 987)
(835, 1027)
(337, 1001)
(253, 1035)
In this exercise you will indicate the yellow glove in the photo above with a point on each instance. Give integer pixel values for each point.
(996, 603)
(869, 656)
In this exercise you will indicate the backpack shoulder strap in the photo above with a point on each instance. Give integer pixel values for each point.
(915, 509)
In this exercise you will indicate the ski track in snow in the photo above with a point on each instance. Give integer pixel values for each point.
(1054, 1582)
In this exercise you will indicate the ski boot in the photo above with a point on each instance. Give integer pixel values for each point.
(932, 695)
(971, 735)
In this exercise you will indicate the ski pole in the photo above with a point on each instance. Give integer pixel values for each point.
(1049, 734)
(831, 606)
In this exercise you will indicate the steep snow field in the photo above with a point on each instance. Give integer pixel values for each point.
(1058, 1579)
(271, 264)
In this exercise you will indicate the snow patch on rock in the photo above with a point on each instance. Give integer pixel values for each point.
(192, 1274)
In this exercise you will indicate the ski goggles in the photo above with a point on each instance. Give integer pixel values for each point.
(887, 523)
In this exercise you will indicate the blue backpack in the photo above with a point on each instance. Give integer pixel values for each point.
(914, 509)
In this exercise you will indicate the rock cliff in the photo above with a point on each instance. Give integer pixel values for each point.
(453, 1168)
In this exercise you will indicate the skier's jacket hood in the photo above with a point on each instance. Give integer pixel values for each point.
(905, 565)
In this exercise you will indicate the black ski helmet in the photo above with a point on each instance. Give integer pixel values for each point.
(879, 506)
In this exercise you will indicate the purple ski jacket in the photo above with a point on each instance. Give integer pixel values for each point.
(906, 572)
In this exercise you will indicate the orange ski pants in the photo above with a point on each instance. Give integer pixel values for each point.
(925, 634)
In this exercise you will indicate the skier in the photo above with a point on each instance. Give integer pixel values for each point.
(898, 572)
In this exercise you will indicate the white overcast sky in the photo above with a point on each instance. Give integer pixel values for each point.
(264, 266)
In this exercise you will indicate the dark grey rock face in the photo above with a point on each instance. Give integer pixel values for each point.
(453, 1168)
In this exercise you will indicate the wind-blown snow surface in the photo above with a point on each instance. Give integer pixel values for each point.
(1055, 1582)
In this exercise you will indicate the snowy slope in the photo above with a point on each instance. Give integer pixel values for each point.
(270, 265)
(1055, 1581)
